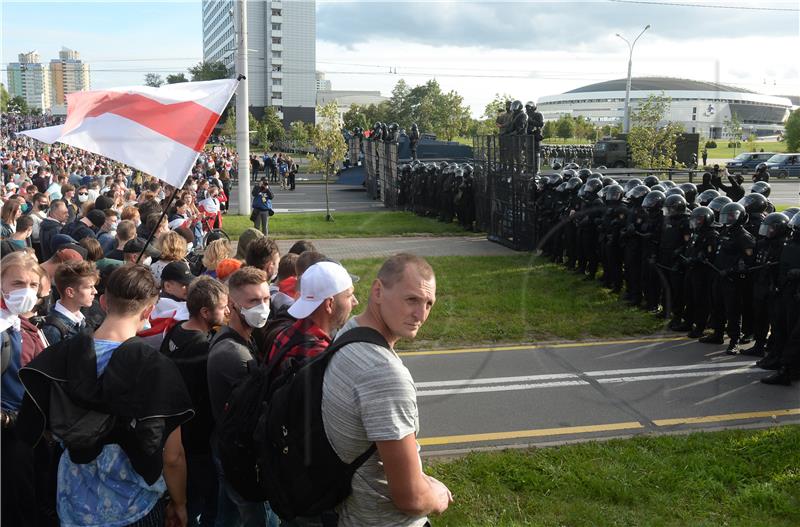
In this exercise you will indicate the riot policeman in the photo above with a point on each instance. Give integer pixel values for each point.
(612, 224)
(632, 244)
(649, 231)
(787, 325)
(702, 246)
(413, 139)
(569, 209)
(733, 259)
(675, 234)
(761, 174)
(705, 197)
(588, 250)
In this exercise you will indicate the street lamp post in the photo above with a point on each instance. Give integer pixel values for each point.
(626, 127)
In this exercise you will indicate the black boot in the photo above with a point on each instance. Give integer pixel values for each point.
(757, 350)
(733, 348)
(713, 338)
(782, 377)
(695, 333)
(771, 362)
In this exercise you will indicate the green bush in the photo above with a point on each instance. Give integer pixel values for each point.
(711, 144)
(737, 144)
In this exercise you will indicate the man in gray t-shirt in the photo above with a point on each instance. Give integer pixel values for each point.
(368, 396)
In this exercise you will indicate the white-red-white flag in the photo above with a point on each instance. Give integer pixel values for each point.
(159, 131)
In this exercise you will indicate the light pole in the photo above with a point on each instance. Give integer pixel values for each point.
(242, 109)
(626, 127)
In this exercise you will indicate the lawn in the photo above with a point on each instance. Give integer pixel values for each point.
(346, 225)
(732, 478)
(519, 298)
(723, 152)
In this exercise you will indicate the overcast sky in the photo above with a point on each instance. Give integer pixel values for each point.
(527, 49)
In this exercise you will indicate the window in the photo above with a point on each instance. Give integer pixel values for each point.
(276, 82)
(276, 54)
(276, 12)
(276, 40)
(276, 27)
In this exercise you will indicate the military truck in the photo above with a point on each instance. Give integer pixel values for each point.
(614, 152)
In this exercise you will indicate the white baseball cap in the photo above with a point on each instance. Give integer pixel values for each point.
(320, 281)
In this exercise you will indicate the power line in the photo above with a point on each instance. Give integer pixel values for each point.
(710, 6)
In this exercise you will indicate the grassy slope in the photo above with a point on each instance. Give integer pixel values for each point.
(732, 478)
(346, 225)
(512, 299)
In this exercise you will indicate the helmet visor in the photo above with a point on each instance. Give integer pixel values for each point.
(730, 217)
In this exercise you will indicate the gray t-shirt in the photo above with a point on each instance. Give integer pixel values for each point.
(368, 395)
(228, 362)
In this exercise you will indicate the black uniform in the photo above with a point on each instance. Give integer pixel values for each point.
(734, 256)
(701, 248)
(611, 249)
(675, 235)
(765, 286)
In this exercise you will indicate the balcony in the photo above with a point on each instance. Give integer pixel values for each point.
(276, 33)
(276, 19)
(276, 4)
(277, 61)
(276, 47)
(277, 75)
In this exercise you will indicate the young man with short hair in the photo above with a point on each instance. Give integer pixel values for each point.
(126, 231)
(75, 282)
(125, 481)
(368, 396)
(171, 306)
(263, 253)
(187, 344)
(106, 235)
(232, 355)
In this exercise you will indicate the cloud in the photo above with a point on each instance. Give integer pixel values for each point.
(531, 25)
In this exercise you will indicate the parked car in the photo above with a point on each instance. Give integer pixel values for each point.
(748, 161)
(784, 165)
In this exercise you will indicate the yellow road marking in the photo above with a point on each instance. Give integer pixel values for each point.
(534, 346)
(725, 417)
(588, 429)
(475, 438)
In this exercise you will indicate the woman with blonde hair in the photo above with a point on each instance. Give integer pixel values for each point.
(8, 218)
(173, 249)
(216, 251)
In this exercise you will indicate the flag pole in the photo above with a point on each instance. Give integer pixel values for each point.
(153, 232)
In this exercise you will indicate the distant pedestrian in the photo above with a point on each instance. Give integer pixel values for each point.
(705, 156)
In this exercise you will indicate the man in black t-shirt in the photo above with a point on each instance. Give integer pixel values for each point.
(187, 344)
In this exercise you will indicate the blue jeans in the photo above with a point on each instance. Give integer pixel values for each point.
(235, 511)
(202, 489)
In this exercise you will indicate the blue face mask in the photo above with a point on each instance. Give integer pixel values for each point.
(25, 208)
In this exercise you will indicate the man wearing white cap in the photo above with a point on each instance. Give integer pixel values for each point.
(324, 305)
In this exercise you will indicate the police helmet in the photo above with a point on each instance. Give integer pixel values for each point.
(530, 105)
(689, 191)
(573, 166)
(637, 193)
(754, 203)
(701, 217)
(706, 196)
(794, 224)
(613, 194)
(590, 189)
(601, 167)
(791, 212)
(516, 106)
(761, 187)
(574, 183)
(584, 173)
(761, 167)
(562, 187)
(651, 180)
(659, 187)
(654, 200)
(608, 181)
(774, 225)
(555, 180)
(569, 173)
(732, 215)
(675, 191)
(717, 203)
(668, 184)
(556, 166)
(675, 205)
(631, 183)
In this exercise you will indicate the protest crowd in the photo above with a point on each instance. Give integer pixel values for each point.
(154, 375)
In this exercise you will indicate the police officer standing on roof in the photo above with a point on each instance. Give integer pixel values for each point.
(535, 125)
(413, 138)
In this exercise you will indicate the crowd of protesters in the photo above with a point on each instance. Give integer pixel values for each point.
(126, 329)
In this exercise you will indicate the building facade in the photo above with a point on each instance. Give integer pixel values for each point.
(281, 37)
(345, 98)
(68, 74)
(701, 107)
(322, 83)
(30, 79)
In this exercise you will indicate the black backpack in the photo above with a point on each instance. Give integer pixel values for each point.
(236, 444)
(303, 475)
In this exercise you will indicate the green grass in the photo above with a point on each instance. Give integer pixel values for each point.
(345, 225)
(732, 478)
(519, 298)
(723, 152)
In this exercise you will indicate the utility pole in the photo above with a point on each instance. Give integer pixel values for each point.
(242, 109)
(626, 127)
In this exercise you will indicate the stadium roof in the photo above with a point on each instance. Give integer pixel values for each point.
(658, 84)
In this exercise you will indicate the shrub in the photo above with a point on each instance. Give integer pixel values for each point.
(711, 144)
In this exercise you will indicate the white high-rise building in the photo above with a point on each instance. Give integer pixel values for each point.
(68, 74)
(30, 79)
(281, 37)
(322, 83)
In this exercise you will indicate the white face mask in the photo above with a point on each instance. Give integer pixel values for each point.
(256, 316)
(147, 261)
(83, 198)
(21, 300)
(189, 247)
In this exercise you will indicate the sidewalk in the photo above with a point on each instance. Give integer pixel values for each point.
(342, 248)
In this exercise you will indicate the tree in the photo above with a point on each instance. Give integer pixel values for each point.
(733, 128)
(5, 98)
(565, 127)
(329, 146)
(355, 117)
(298, 133)
(18, 104)
(176, 78)
(792, 132)
(229, 126)
(153, 79)
(652, 143)
(272, 124)
(208, 71)
(496, 106)
(549, 130)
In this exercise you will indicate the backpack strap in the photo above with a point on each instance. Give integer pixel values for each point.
(6, 350)
(52, 320)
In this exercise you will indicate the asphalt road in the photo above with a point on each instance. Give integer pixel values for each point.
(535, 395)
(310, 197)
